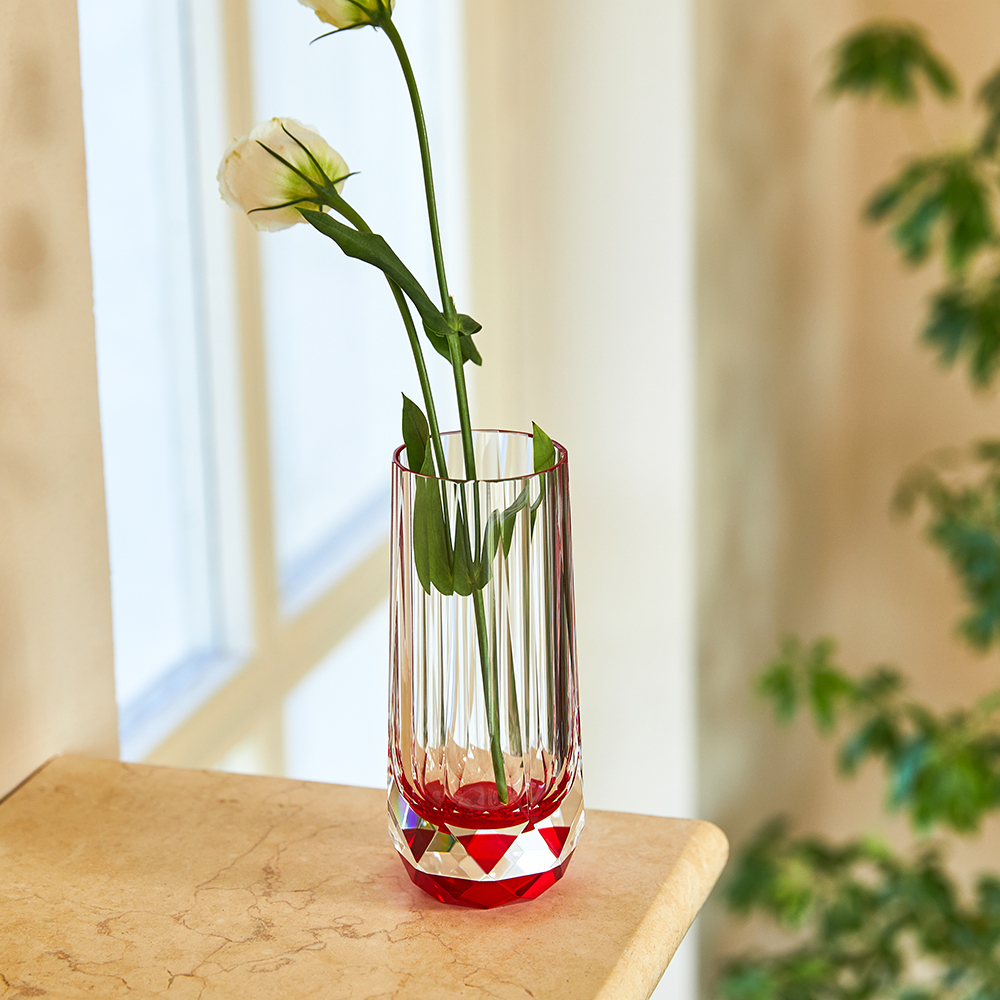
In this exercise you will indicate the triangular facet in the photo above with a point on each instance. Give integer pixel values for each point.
(555, 837)
(419, 839)
(487, 848)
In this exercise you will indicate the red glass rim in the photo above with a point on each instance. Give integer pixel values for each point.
(562, 458)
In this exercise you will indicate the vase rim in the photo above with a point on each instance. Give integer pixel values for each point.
(562, 459)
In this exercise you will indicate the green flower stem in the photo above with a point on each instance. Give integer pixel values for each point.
(490, 680)
(492, 698)
(386, 24)
(425, 382)
(468, 448)
(489, 669)
(447, 305)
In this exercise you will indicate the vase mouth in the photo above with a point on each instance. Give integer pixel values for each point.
(562, 459)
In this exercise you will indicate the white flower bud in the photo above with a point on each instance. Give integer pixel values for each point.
(253, 179)
(346, 13)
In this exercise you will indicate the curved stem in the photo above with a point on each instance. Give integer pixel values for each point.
(425, 382)
(389, 28)
(490, 680)
(468, 448)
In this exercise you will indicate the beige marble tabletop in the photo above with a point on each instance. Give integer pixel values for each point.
(124, 880)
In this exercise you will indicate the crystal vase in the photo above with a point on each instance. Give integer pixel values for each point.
(485, 776)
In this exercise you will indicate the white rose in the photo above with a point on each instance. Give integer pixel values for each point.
(253, 179)
(347, 13)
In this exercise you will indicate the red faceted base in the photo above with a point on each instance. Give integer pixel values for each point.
(468, 860)
(488, 894)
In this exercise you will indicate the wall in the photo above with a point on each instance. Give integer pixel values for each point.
(56, 679)
(813, 399)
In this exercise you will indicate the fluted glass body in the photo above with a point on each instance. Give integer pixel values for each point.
(484, 716)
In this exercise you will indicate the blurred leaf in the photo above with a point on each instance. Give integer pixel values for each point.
(962, 493)
(828, 686)
(876, 737)
(778, 683)
(948, 194)
(870, 910)
(989, 97)
(965, 321)
(886, 60)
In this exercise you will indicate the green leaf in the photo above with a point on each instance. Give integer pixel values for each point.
(508, 520)
(431, 547)
(440, 344)
(962, 494)
(416, 434)
(950, 196)
(464, 568)
(534, 510)
(373, 249)
(886, 60)
(989, 97)
(778, 685)
(827, 689)
(544, 449)
(468, 326)
(491, 542)
(965, 322)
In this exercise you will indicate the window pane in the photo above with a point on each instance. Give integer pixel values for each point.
(149, 308)
(335, 719)
(338, 354)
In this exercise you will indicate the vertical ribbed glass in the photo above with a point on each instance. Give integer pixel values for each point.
(452, 716)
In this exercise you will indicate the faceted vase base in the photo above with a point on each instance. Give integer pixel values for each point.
(484, 868)
(488, 893)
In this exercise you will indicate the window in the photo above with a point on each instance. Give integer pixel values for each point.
(250, 385)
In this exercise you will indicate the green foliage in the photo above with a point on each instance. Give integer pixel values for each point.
(951, 195)
(806, 676)
(455, 562)
(867, 923)
(962, 492)
(544, 451)
(886, 60)
(989, 98)
(964, 322)
(859, 913)
(943, 770)
(942, 203)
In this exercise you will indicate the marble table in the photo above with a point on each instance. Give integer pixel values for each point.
(124, 880)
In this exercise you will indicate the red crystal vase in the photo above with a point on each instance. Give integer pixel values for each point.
(485, 775)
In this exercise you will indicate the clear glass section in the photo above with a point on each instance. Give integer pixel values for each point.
(449, 708)
(338, 355)
(150, 319)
